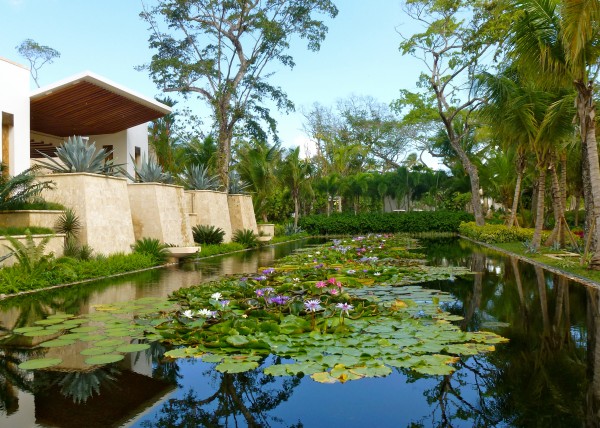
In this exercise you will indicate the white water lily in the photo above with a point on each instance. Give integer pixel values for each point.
(296, 279)
(216, 296)
(188, 313)
(207, 313)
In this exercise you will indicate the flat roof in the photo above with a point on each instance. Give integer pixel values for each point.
(88, 104)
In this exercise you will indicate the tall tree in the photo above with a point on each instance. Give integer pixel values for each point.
(457, 35)
(294, 173)
(221, 51)
(37, 55)
(558, 42)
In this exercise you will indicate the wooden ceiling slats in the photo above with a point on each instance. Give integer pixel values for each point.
(87, 109)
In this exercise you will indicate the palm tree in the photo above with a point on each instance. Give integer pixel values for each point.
(257, 166)
(558, 42)
(17, 190)
(294, 173)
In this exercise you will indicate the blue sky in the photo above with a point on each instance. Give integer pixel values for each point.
(360, 55)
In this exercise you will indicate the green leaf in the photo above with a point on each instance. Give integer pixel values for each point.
(236, 367)
(39, 363)
(104, 359)
(237, 340)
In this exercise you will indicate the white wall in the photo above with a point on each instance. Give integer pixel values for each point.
(14, 100)
(124, 144)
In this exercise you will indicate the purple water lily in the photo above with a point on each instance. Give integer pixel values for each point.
(279, 300)
(313, 305)
(344, 307)
(268, 271)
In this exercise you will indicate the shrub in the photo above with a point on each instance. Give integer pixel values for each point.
(153, 248)
(149, 171)
(207, 234)
(215, 249)
(30, 255)
(197, 177)
(68, 223)
(21, 189)
(246, 237)
(411, 222)
(498, 233)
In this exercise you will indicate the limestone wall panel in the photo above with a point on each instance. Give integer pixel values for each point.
(211, 208)
(241, 213)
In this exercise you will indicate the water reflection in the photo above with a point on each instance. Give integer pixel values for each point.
(547, 375)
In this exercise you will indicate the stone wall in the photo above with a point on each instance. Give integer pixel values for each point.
(210, 208)
(159, 211)
(102, 204)
(241, 213)
(28, 218)
(55, 245)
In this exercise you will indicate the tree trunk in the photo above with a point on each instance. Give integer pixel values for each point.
(296, 211)
(475, 201)
(558, 232)
(515, 205)
(577, 203)
(586, 111)
(539, 216)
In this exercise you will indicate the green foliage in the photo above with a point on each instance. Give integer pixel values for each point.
(153, 248)
(68, 223)
(236, 185)
(16, 192)
(207, 234)
(30, 255)
(65, 270)
(76, 155)
(458, 201)
(38, 204)
(289, 229)
(37, 55)
(197, 177)
(150, 171)
(13, 231)
(411, 222)
(498, 233)
(246, 237)
(208, 250)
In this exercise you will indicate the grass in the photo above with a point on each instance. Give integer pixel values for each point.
(569, 266)
(14, 231)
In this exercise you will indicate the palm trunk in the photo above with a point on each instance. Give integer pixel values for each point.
(586, 111)
(558, 234)
(296, 211)
(539, 216)
(515, 205)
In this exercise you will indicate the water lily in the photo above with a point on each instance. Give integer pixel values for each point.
(331, 280)
(313, 305)
(268, 271)
(260, 278)
(279, 300)
(296, 279)
(320, 284)
(350, 271)
(207, 313)
(333, 292)
(216, 296)
(188, 314)
(344, 307)
(224, 303)
(377, 274)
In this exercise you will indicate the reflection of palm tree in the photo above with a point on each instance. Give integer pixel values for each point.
(11, 377)
(243, 394)
(82, 385)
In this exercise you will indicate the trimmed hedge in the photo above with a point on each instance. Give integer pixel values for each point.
(498, 233)
(411, 222)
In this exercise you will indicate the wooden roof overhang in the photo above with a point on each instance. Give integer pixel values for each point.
(87, 104)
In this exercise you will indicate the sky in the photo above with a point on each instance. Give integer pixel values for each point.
(360, 55)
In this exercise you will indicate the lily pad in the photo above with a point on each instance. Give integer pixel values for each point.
(57, 343)
(104, 359)
(22, 330)
(97, 351)
(109, 342)
(39, 363)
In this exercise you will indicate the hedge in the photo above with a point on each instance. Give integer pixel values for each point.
(410, 222)
(498, 233)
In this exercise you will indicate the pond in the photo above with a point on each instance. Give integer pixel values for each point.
(546, 375)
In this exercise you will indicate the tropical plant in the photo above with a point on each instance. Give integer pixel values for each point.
(151, 247)
(197, 177)
(77, 155)
(221, 52)
(294, 173)
(290, 229)
(149, 171)
(30, 255)
(16, 191)
(208, 234)
(246, 237)
(68, 223)
(236, 185)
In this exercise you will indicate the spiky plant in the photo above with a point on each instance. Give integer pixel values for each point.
(236, 185)
(197, 177)
(150, 171)
(246, 237)
(206, 234)
(152, 247)
(76, 155)
(68, 223)
(16, 191)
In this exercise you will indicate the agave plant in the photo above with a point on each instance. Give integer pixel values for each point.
(76, 155)
(196, 177)
(22, 188)
(150, 171)
(236, 185)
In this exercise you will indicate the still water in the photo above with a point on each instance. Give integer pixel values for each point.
(548, 375)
